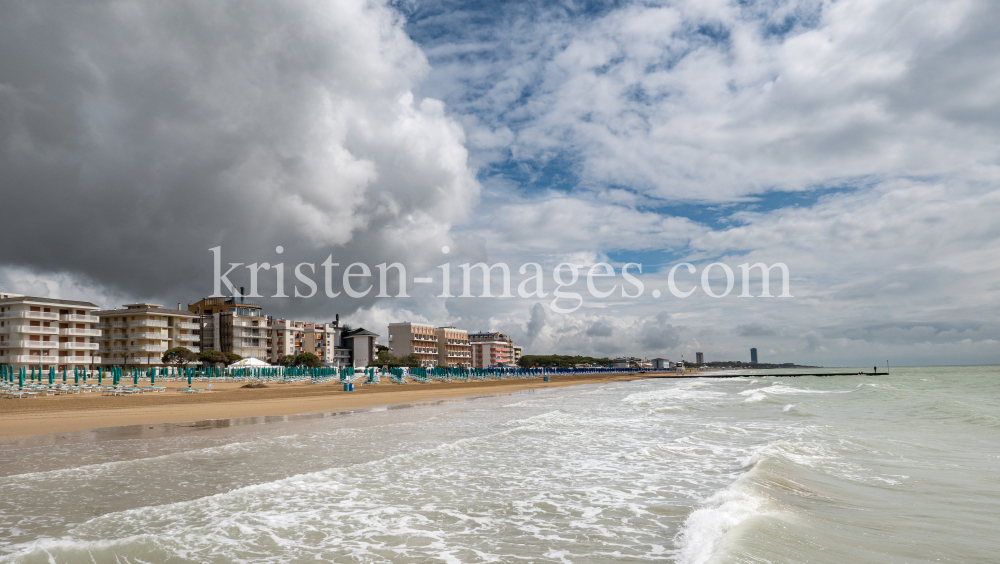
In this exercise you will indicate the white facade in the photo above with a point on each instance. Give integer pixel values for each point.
(141, 333)
(45, 332)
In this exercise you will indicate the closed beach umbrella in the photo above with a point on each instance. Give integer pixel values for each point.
(64, 374)
(52, 374)
(20, 378)
(189, 379)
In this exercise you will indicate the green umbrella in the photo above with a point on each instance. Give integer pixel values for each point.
(52, 374)
(64, 374)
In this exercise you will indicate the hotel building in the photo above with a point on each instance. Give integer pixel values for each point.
(414, 338)
(335, 346)
(360, 345)
(491, 349)
(141, 333)
(233, 325)
(45, 332)
(287, 337)
(453, 347)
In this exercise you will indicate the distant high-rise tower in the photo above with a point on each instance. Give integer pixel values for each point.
(699, 357)
(753, 356)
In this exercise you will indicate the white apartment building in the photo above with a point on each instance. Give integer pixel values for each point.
(454, 349)
(491, 349)
(141, 333)
(46, 332)
(414, 338)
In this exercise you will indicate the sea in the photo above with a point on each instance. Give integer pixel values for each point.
(899, 468)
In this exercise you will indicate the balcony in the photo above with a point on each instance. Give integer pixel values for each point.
(29, 345)
(76, 317)
(120, 324)
(80, 332)
(104, 337)
(155, 335)
(103, 325)
(78, 346)
(104, 350)
(255, 333)
(188, 337)
(187, 325)
(46, 315)
(35, 359)
(119, 336)
(149, 348)
(36, 330)
(149, 323)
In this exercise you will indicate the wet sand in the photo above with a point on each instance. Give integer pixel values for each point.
(60, 414)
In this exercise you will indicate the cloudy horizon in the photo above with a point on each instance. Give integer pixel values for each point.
(857, 142)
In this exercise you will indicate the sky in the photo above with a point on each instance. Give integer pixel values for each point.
(857, 142)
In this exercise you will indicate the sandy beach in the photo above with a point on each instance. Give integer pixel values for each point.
(59, 414)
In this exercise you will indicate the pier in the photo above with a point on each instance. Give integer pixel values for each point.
(789, 375)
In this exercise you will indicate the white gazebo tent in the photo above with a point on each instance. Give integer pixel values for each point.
(249, 363)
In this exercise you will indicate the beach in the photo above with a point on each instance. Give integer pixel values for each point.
(899, 468)
(45, 415)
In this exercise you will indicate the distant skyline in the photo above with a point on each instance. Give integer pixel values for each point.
(856, 141)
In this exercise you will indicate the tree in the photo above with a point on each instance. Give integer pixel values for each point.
(231, 358)
(382, 357)
(411, 360)
(212, 357)
(305, 360)
(180, 356)
(559, 361)
(308, 360)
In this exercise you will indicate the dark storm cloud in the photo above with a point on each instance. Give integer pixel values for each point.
(135, 136)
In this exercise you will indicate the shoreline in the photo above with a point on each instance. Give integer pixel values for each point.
(26, 418)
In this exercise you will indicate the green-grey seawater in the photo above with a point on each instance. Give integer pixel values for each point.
(886, 469)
